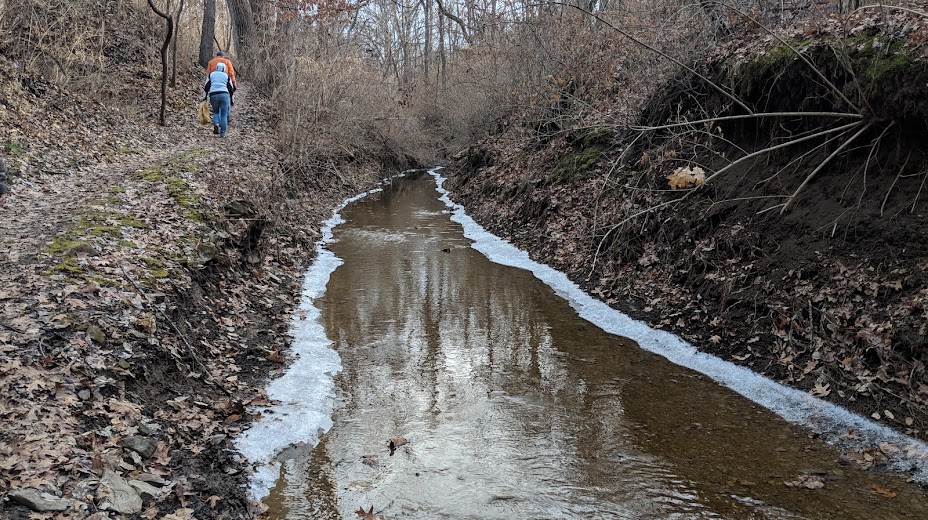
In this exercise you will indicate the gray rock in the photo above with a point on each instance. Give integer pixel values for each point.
(152, 479)
(96, 334)
(144, 446)
(38, 501)
(145, 489)
(149, 428)
(116, 495)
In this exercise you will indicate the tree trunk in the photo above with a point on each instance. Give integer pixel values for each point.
(243, 28)
(180, 11)
(456, 19)
(164, 57)
(208, 32)
(262, 12)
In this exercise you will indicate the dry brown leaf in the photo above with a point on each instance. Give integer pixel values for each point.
(886, 492)
(396, 442)
(821, 390)
(369, 514)
(180, 514)
(686, 177)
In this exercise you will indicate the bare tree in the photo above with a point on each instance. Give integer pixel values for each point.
(243, 26)
(164, 57)
(456, 19)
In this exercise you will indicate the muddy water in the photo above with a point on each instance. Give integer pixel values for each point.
(515, 408)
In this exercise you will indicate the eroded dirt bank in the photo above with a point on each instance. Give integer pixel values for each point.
(829, 296)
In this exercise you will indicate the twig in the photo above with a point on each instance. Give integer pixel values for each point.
(875, 145)
(738, 199)
(895, 180)
(180, 334)
(771, 208)
(919, 192)
(14, 329)
(749, 116)
(782, 145)
(798, 159)
(884, 6)
(822, 165)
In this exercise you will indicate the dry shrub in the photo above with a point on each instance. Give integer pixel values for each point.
(77, 43)
(559, 70)
(336, 112)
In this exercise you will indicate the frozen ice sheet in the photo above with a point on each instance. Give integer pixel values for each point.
(305, 391)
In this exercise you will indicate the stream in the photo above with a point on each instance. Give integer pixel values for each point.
(506, 399)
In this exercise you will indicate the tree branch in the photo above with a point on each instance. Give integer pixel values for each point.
(828, 159)
(456, 19)
(749, 116)
(164, 57)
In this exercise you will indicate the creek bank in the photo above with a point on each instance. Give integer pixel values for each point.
(830, 297)
(146, 299)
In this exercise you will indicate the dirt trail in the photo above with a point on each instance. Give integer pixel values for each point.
(41, 207)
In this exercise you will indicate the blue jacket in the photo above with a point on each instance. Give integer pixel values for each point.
(218, 82)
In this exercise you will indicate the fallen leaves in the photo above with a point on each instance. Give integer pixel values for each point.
(90, 369)
(821, 389)
(807, 481)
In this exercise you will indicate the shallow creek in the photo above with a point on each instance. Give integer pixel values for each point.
(514, 407)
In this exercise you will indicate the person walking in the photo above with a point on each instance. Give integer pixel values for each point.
(220, 90)
(221, 58)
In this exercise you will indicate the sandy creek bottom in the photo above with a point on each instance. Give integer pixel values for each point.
(516, 408)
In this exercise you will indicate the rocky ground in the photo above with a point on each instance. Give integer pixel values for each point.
(145, 289)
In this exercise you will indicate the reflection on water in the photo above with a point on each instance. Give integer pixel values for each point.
(514, 408)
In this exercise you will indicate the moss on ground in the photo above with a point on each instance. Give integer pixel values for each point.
(587, 150)
(69, 265)
(105, 225)
(179, 189)
(744, 76)
(97, 223)
(878, 62)
(61, 246)
(13, 149)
